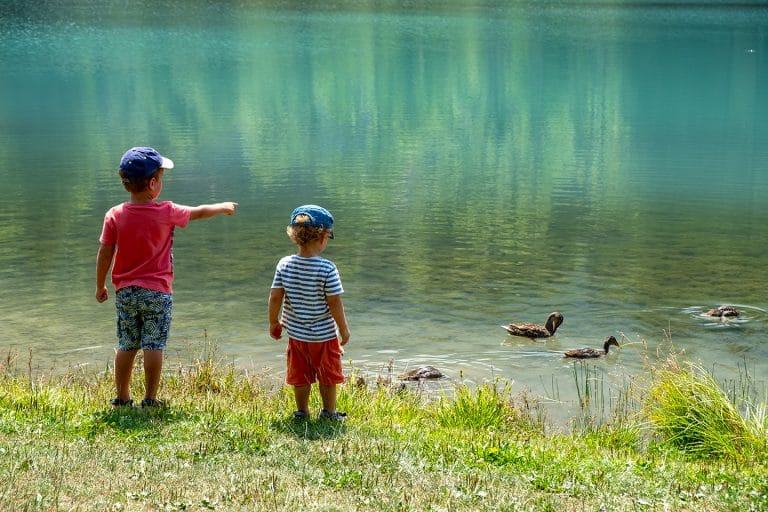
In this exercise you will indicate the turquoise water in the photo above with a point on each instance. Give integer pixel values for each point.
(484, 164)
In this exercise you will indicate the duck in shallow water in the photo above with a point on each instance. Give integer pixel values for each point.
(421, 372)
(586, 353)
(722, 311)
(535, 330)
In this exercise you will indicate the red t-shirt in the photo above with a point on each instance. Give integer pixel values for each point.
(143, 234)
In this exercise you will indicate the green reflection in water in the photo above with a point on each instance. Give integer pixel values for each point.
(484, 164)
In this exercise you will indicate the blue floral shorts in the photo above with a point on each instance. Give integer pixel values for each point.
(143, 318)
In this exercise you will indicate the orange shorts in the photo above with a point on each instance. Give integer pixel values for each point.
(310, 362)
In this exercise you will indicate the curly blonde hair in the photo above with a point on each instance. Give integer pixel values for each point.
(301, 233)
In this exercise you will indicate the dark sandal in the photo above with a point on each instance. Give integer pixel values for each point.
(151, 402)
(333, 416)
(116, 402)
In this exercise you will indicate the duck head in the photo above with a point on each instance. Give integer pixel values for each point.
(610, 340)
(553, 321)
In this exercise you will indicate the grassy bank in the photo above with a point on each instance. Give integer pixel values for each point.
(227, 442)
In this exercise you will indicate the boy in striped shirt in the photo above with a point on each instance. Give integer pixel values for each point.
(308, 289)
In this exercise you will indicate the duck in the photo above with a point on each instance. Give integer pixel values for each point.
(422, 372)
(535, 330)
(722, 311)
(585, 353)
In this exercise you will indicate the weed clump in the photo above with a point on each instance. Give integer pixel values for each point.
(688, 409)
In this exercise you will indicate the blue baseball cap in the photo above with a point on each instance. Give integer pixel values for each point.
(142, 162)
(318, 216)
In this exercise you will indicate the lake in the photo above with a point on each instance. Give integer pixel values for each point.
(485, 162)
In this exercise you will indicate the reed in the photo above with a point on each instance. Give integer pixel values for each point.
(606, 415)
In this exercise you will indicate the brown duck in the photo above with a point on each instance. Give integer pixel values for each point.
(535, 330)
(421, 372)
(722, 311)
(585, 353)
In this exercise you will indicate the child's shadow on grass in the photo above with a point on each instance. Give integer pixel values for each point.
(136, 419)
(133, 419)
(311, 430)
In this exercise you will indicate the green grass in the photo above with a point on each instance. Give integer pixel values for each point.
(228, 442)
(690, 411)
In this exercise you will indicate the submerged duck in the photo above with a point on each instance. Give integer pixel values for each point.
(421, 372)
(584, 353)
(535, 330)
(722, 311)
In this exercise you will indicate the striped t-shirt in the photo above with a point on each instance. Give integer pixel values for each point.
(307, 282)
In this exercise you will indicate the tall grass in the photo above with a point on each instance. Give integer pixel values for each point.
(606, 415)
(689, 409)
(598, 402)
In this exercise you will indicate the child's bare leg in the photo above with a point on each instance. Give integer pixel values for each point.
(123, 369)
(328, 395)
(301, 395)
(153, 366)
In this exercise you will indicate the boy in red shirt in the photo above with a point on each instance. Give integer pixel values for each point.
(137, 236)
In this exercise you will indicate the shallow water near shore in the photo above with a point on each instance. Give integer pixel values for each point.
(485, 165)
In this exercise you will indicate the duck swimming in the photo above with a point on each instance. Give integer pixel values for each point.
(535, 330)
(585, 353)
(722, 311)
(421, 372)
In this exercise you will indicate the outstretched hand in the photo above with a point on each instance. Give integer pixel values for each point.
(206, 211)
(229, 207)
